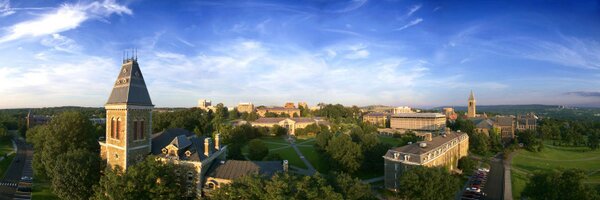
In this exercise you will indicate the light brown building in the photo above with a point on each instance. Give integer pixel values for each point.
(278, 110)
(289, 105)
(484, 126)
(245, 107)
(402, 109)
(128, 118)
(526, 122)
(444, 150)
(472, 112)
(507, 126)
(418, 121)
(291, 124)
(377, 119)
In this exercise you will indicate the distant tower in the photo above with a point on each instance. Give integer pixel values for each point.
(128, 118)
(471, 112)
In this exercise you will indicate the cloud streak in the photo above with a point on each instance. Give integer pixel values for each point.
(584, 94)
(64, 18)
(411, 23)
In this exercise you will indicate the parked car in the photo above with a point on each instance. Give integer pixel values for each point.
(26, 179)
(24, 189)
(484, 169)
(473, 189)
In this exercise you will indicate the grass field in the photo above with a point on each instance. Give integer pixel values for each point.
(280, 146)
(524, 163)
(315, 158)
(390, 140)
(5, 145)
(5, 163)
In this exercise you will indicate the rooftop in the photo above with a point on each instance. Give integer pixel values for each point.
(232, 169)
(130, 87)
(419, 115)
(434, 143)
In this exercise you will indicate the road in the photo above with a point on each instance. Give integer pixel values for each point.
(21, 166)
(494, 187)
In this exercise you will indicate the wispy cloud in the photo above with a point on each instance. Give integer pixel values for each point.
(352, 5)
(584, 93)
(5, 9)
(413, 9)
(61, 43)
(66, 17)
(411, 23)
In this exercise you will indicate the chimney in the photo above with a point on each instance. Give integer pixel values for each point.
(207, 143)
(217, 140)
(285, 165)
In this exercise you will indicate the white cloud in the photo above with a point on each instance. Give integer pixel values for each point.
(5, 9)
(411, 23)
(61, 43)
(413, 9)
(66, 17)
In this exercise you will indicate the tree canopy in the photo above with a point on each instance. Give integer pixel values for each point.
(439, 183)
(559, 184)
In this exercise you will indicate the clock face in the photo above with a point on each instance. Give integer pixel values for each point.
(124, 71)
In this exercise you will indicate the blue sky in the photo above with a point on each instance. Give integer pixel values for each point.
(358, 52)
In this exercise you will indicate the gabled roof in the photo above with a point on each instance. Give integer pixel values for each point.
(184, 140)
(130, 87)
(181, 142)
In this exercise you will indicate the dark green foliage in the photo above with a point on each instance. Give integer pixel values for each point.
(439, 183)
(257, 150)
(559, 184)
(188, 119)
(277, 130)
(150, 179)
(76, 170)
(529, 140)
(322, 140)
(339, 113)
(351, 188)
(466, 164)
(594, 140)
(234, 152)
(345, 154)
(280, 186)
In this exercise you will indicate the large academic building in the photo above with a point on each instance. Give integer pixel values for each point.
(443, 150)
(418, 121)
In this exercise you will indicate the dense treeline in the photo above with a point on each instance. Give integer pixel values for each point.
(560, 184)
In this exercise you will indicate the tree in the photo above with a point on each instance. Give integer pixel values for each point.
(345, 154)
(529, 140)
(559, 184)
(594, 140)
(277, 130)
(478, 143)
(439, 182)
(150, 179)
(466, 164)
(3, 131)
(77, 170)
(234, 152)
(257, 150)
(351, 188)
(322, 139)
(280, 186)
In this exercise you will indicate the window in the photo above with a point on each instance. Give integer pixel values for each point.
(118, 129)
(135, 130)
(142, 129)
(112, 127)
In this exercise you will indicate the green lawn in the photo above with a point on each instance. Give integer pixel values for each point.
(390, 140)
(315, 158)
(41, 190)
(5, 145)
(5, 163)
(280, 146)
(553, 157)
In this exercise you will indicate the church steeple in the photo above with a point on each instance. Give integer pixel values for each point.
(472, 96)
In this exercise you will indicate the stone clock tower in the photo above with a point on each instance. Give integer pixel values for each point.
(128, 118)
(471, 112)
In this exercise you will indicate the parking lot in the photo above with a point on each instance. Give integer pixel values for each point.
(475, 186)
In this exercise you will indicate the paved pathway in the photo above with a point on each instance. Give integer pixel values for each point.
(494, 187)
(507, 177)
(373, 180)
(311, 169)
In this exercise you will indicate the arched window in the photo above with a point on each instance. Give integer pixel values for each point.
(142, 129)
(118, 129)
(113, 125)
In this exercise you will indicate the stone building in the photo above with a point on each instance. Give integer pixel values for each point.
(507, 126)
(526, 122)
(450, 114)
(440, 151)
(291, 124)
(128, 118)
(195, 154)
(472, 112)
(292, 112)
(34, 120)
(418, 121)
(222, 173)
(402, 109)
(377, 119)
(484, 125)
(289, 105)
(245, 107)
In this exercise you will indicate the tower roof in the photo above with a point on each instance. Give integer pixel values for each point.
(130, 87)
(472, 96)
